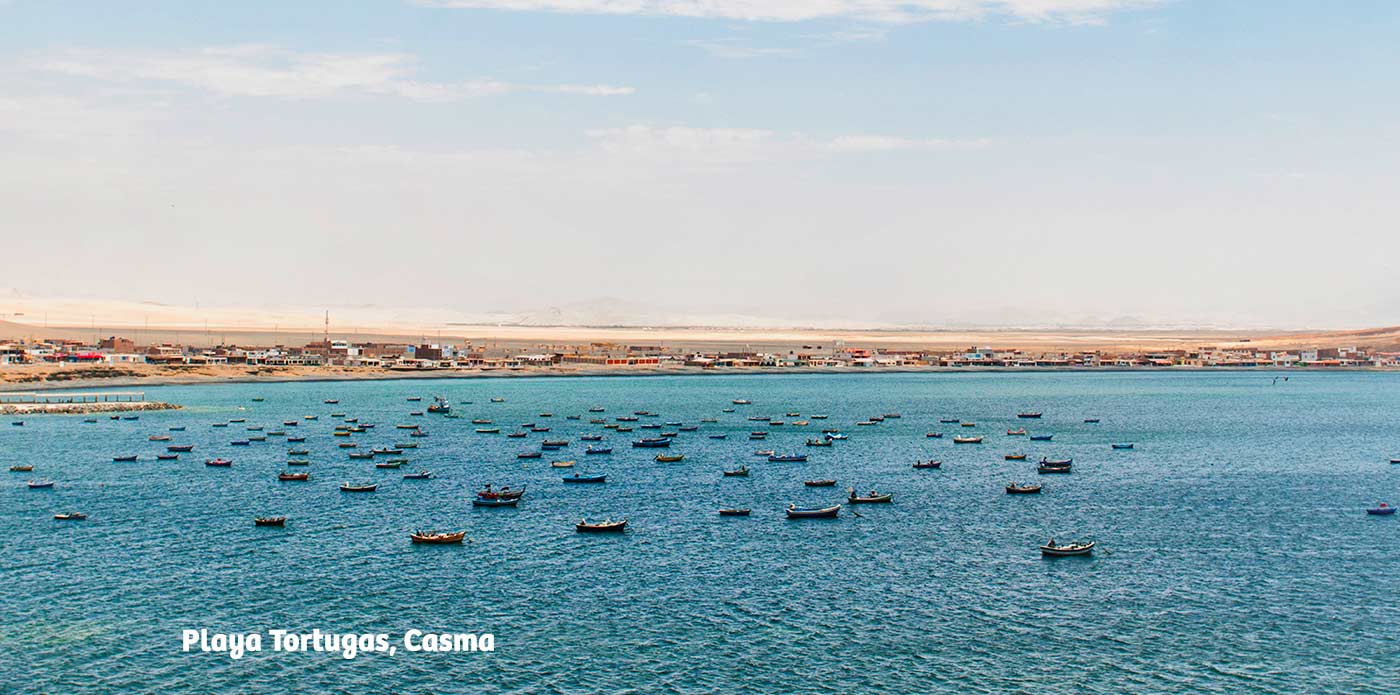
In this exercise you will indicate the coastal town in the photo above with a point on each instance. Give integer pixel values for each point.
(412, 357)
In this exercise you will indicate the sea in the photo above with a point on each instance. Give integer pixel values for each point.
(1234, 552)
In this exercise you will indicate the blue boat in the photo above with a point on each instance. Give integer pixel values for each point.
(1382, 509)
(578, 478)
(598, 450)
(1122, 446)
(787, 458)
(719, 436)
(652, 443)
(1041, 437)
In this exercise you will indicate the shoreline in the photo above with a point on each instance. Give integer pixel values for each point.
(127, 379)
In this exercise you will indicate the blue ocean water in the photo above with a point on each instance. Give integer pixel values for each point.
(1235, 554)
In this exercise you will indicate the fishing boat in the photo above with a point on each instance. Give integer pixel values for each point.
(405, 445)
(1018, 489)
(495, 502)
(239, 420)
(416, 413)
(180, 448)
(240, 442)
(1015, 457)
(318, 417)
(123, 459)
(554, 443)
(167, 457)
(40, 484)
(605, 526)
(1051, 470)
(819, 483)
(158, 438)
(727, 410)
(180, 428)
(624, 429)
(70, 516)
(440, 405)
(1121, 446)
(414, 427)
(967, 440)
(330, 401)
(528, 455)
(819, 417)
(670, 435)
(22, 468)
(893, 416)
(277, 433)
(819, 442)
(296, 440)
(437, 537)
(580, 478)
(591, 438)
(652, 443)
(291, 423)
(347, 445)
(670, 458)
(688, 428)
(417, 433)
(836, 436)
(562, 464)
(298, 452)
(347, 487)
(1055, 462)
(1395, 459)
(388, 465)
(1029, 416)
(740, 401)
(871, 497)
(744, 511)
(386, 451)
(254, 428)
(795, 512)
(596, 409)
(270, 521)
(740, 472)
(1091, 420)
(420, 475)
(598, 450)
(866, 423)
(967, 424)
(876, 418)
(1016, 433)
(764, 452)
(218, 463)
(298, 462)
(1042, 437)
(293, 476)
(498, 400)
(1053, 549)
(1381, 509)
(757, 436)
(258, 439)
(928, 464)
(488, 430)
(787, 458)
(934, 435)
(950, 421)
(220, 424)
(719, 436)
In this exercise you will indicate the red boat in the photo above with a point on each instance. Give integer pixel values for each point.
(221, 463)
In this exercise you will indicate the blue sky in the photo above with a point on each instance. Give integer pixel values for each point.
(936, 161)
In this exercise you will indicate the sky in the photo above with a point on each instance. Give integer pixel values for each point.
(918, 162)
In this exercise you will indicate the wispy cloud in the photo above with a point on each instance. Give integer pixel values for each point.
(890, 11)
(267, 71)
(732, 48)
(731, 145)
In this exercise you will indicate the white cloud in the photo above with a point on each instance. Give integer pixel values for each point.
(886, 143)
(895, 11)
(730, 48)
(265, 71)
(731, 145)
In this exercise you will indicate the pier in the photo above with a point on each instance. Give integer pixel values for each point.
(57, 398)
(75, 403)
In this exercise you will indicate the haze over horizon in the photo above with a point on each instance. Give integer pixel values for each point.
(999, 163)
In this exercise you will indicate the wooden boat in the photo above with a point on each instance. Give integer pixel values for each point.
(580, 478)
(498, 400)
(740, 472)
(934, 435)
(893, 416)
(596, 409)
(414, 427)
(22, 468)
(239, 420)
(167, 457)
(819, 417)
(764, 452)
(928, 464)
(420, 475)
(478, 421)
(386, 451)
(562, 464)
(735, 512)
(795, 512)
(670, 458)
(318, 417)
(1016, 433)
(1055, 462)
(40, 484)
(719, 436)
(414, 399)
(218, 463)
(240, 442)
(495, 502)
(1015, 457)
(836, 436)
(347, 445)
(1051, 470)
(298, 462)
(298, 452)
(528, 455)
(437, 538)
(389, 465)
(1091, 420)
(361, 455)
(652, 443)
(740, 401)
(1052, 549)
(872, 497)
(70, 516)
(967, 440)
(417, 433)
(1381, 509)
(293, 476)
(257, 439)
(220, 424)
(866, 423)
(406, 445)
(757, 436)
(670, 435)
(1395, 459)
(416, 413)
(123, 459)
(554, 443)
(1029, 416)
(291, 423)
(254, 428)
(591, 438)
(347, 487)
(598, 450)
(819, 442)
(1121, 446)
(727, 410)
(488, 430)
(967, 424)
(876, 418)
(689, 428)
(950, 421)
(1042, 437)
(787, 458)
(607, 526)
(270, 521)
(624, 429)
(295, 440)
(1017, 489)
(819, 483)
(180, 448)
(330, 401)
(158, 438)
